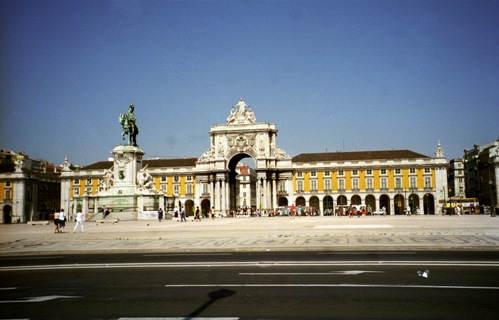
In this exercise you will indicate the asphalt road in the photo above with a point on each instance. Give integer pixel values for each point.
(262, 285)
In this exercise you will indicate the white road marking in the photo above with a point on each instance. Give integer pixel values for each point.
(354, 226)
(40, 299)
(331, 273)
(326, 285)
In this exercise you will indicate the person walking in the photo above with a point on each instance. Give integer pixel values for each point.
(212, 213)
(55, 218)
(79, 221)
(160, 214)
(62, 220)
(182, 215)
(196, 215)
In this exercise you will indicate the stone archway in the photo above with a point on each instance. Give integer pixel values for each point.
(234, 183)
(6, 212)
(371, 202)
(384, 202)
(300, 201)
(342, 201)
(356, 200)
(328, 205)
(399, 202)
(283, 202)
(428, 204)
(189, 208)
(205, 207)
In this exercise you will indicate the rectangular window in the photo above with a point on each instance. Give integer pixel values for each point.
(313, 174)
(89, 181)
(176, 189)
(383, 171)
(7, 184)
(7, 194)
(76, 191)
(384, 184)
(369, 183)
(163, 179)
(189, 188)
(327, 185)
(427, 182)
(413, 182)
(355, 184)
(397, 171)
(369, 172)
(427, 170)
(341, 173)
(355, 172)
(327, 173)
(341, 184)
(412, 171)
(89, 190)
(313, 185)
(282, 186)
(299, 174)
(77, 181)
(299, 186)
(189, 178)
(398, 183)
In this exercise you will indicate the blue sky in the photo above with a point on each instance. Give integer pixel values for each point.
(332, 75)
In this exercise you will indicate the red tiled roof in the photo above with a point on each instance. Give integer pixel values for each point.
(358, 156)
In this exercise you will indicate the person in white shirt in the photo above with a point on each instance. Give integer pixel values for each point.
(79, 221)
(62, 220)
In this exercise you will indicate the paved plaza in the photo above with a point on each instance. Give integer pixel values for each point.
(387, 233)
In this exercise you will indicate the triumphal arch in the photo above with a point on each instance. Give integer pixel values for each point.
(243, 137)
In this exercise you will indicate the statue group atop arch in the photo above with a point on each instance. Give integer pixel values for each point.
(241, 113)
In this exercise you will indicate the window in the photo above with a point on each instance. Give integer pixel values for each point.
(383, 171)
(355, 184)
(8, 194)
(189, 188)
(398, 183)
(189, 178)
(176, 189)
(313, 174)
(89, 181)
(341, 173)
(427, 170)
(397, 171)
(313, 185)
(7, 184)
(413, 182)
(369, 172)
(77, 181)
(299, 186)
(355, 172)
(341, 184)
(76, 191)
(89, 190)
(176, 179)
(369, 183)
(299, 174)
(163, 179)
(327, 173)
(412, 171)
(384, 184)
(427, 182)
(327, 184)
(282, 186)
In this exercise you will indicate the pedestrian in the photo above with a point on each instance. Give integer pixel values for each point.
(196, 215)
(62, 220)
(103, 212)
(182, 215)
(55, 218)
(79, 221)
(160, 214)
(212, 213)
(458, 211)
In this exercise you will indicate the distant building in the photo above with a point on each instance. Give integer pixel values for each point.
(29, 189)
(481, 165)
(456, 178)
(246, 179)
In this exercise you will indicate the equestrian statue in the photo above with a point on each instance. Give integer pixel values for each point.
(129, 127)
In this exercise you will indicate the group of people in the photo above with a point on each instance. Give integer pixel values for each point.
(60, 221)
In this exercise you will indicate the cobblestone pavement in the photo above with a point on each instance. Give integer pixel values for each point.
(257, 234)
